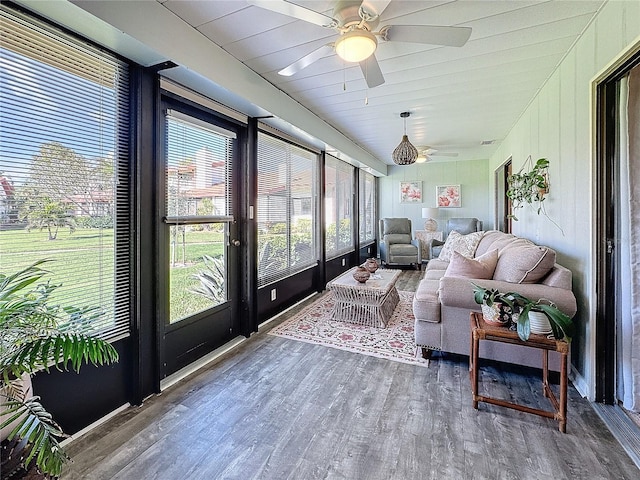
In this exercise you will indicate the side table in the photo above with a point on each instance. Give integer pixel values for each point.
(425, 237)
(483, 331)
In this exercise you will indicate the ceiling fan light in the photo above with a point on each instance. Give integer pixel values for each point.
(422, 158)
(405, 153)
(356, 45)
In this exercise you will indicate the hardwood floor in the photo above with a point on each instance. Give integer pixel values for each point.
(282, 409)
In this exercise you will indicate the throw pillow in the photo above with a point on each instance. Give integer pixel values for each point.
(481, 267)
(524, 263)
(464, 244)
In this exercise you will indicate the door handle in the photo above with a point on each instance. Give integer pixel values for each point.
(235, 243)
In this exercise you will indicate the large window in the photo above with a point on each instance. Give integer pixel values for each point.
(367, 207)
(64, 178)
(286, 209)
(338, 207)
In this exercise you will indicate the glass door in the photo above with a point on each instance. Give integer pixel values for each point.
(199, 265)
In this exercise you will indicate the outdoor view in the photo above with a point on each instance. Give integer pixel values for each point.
(58, 174)
(198, 163)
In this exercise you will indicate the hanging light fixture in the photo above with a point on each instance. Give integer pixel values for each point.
(405, 153)
(356, 45)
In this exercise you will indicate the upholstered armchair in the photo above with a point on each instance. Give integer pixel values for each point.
(397, 245)
(461, 225)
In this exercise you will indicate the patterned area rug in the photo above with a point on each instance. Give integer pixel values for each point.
(314, 324)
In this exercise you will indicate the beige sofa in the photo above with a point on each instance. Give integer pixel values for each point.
(442, 302)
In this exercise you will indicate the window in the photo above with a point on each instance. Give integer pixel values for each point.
(367, 206)
(64, 156)
(198, 166)
(338, 205)
(286, 209)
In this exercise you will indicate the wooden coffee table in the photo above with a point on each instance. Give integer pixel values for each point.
(371, 303)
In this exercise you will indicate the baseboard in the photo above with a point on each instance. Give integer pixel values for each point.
(579, 383)
(95, 424)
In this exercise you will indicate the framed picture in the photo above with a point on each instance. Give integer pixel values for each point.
(411, 192)
(448, 196)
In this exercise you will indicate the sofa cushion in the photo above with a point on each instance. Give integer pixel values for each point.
(494, 239)
(524, 262)
(464, 244)
(403, 249)
(481, 267)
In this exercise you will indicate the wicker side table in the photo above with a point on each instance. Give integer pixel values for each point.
(371, 303)
(482, 331)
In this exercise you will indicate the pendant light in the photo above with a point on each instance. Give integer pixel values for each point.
(405, 153)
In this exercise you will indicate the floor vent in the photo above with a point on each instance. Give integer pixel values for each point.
(622, 428)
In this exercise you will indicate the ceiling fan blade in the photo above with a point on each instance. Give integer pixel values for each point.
(371, 71)
(307, 60)
(429, 34)
(296, 11)
(443, 154)
(375, 7)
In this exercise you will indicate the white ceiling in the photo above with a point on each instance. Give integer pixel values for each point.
(457, 97)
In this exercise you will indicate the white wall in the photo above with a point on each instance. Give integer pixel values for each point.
(557, 125)
(472, 176)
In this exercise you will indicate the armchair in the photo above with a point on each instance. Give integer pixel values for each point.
(397, 247)
(460, 225)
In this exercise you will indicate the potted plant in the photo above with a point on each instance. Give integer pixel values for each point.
(561, 324)
(530, 188)
(35, 335)
(518, 309)
(497, 307)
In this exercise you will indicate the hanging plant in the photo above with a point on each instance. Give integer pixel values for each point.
(530, 187)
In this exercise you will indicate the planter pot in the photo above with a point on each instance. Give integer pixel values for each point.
(539, 323)
(495, 315)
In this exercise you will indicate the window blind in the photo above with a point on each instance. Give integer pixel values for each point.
(367, 206)
(338, 207)
(64, 166)
(286, 209)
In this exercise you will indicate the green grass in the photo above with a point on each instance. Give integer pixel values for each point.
(77, 262)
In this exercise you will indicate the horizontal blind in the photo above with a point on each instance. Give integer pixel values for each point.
(367, 206)
(286, 209)
(338, 207)
(64, 166)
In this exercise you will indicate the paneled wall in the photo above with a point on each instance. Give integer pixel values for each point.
(557, 125)
(472, 176)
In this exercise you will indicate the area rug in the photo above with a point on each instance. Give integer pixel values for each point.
(314, 324)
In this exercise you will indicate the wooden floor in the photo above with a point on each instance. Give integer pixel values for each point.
(281, 409)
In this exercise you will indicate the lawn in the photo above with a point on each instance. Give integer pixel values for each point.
(79, 259)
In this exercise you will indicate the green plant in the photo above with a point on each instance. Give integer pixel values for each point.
(520, 306)
(36, 335)
(561, 324)
(212, 279)
(529, 187)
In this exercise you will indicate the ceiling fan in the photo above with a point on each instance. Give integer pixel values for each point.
(425, 154)
(356, 21)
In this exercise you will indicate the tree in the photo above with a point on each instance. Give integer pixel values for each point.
(42, 212)
(63, 175)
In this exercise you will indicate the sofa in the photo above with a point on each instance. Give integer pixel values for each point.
(444, 297)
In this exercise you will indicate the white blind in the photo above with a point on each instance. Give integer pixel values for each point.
(367, 206)
(286, 209)
(64, 157)
(338, 207)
